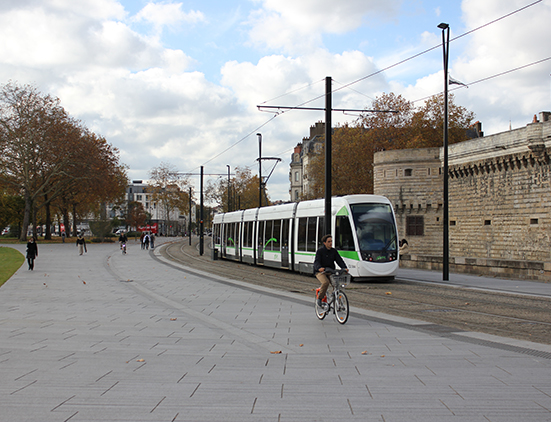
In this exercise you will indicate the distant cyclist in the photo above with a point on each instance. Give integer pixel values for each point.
(326, 257)
(123, 239)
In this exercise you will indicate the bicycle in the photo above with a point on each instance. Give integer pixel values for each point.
(337, 300)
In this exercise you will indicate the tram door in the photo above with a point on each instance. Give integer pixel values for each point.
(260, 241)
(285, 243)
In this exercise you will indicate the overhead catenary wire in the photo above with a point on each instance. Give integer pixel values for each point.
(489, 77)
(374, 74)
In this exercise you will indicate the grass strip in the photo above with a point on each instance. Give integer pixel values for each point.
(10, 261)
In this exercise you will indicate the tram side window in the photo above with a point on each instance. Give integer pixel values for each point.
(236, 233)
(302, 222)
(229, 235)
(216, 234)
(276, 235)
(261, 225)
(321, 230)
(285, 234)
(343, 233)
(245, 234)
(268, 235)
(311, 236)
(250, 234)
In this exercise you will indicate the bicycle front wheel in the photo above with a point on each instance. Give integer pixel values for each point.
(320, 312)
(341, 307)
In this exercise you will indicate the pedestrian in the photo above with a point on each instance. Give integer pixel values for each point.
(63, 236)
(81, 244)
(141, 239)
(403, 246)
(146, 241)
(152, 241)
(32, 252)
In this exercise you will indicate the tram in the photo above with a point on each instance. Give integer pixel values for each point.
(287, 236)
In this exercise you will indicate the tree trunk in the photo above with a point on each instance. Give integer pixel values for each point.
(26, 217)
(48, 233)
(75, 218)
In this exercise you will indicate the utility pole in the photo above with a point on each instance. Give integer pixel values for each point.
(189, 232)
(446, 233)
(328, 141)
(201, 235)
(328, 155)
(229, 196)
(259, 169)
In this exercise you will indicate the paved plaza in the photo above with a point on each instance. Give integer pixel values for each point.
(107, 337)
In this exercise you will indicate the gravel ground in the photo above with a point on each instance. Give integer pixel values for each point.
(508, 315)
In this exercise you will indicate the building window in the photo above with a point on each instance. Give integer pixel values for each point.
(533, 221)
(296, 176)
(415, 226)
(487, 222)
(296, 195)
(408, 172)
(138, 197)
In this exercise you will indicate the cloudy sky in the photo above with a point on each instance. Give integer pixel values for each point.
(179, 81)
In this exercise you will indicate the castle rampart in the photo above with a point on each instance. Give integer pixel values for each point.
(499, 202)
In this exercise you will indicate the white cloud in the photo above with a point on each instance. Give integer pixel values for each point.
(166, 14)
(151, 102)
(294, 26)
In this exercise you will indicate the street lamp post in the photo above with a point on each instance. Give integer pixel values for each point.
(446, 246)
(229, 197)
(259, 169)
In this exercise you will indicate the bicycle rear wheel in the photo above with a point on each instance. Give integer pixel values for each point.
(320, 312)
(341, 307)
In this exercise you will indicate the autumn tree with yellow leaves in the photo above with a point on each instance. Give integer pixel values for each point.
(355, 144)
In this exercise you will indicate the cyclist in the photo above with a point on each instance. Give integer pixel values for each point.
(326, 257)
(123, 239)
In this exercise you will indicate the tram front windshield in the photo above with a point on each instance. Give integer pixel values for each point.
(375, 227)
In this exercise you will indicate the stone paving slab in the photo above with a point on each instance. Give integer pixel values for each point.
(107, 337)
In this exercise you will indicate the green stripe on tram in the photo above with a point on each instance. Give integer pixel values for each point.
(350, 255)
(343, 211)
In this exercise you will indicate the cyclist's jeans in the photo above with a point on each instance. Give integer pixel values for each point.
(324, 280)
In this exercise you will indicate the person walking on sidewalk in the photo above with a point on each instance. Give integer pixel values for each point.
(326, 257)
(32, 252)
(146, 241)
(81, 244)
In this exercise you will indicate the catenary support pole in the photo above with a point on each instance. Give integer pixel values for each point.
(328, 148)
(446, 232)
(201, 235)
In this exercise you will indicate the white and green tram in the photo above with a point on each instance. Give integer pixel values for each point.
(287, 236)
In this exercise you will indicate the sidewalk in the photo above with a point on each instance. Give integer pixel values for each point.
(107, 337)
(524, 287)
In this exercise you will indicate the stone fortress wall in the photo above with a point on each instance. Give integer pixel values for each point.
(499, 202)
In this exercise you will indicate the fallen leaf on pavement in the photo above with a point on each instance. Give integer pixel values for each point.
(277, 352)
(388, 293)
(140, 360)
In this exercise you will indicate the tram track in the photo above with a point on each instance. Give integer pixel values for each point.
(510, 315)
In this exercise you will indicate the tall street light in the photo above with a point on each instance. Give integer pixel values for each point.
(446, 244)
(228, 166)
(259, 169)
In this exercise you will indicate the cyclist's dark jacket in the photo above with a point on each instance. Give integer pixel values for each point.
(326, 258)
